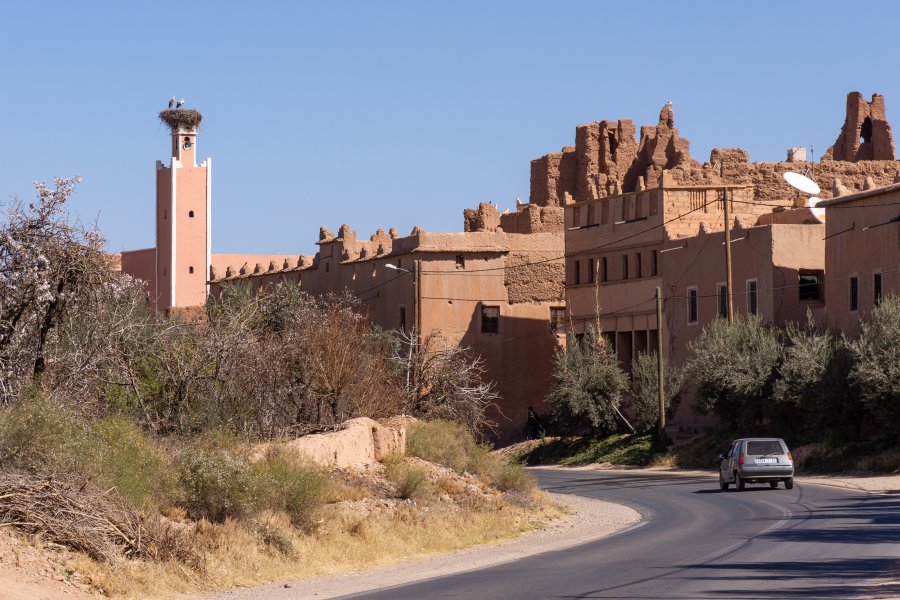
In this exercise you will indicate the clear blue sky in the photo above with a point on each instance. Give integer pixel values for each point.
(382, 114)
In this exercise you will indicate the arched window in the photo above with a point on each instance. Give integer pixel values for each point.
(191, 214)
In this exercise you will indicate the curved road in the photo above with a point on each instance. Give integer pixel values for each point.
(697, 542)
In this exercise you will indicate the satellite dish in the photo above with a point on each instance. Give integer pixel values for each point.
(818, 213)
(802, 183)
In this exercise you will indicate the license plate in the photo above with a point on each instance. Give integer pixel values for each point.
(766, 461)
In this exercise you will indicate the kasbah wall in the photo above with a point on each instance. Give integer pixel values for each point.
(644, 214)
(512, 265)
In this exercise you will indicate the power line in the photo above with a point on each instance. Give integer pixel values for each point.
(636, 234)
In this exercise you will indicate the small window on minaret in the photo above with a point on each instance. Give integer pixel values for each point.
(187, 143)
(191, 214)
(165, 214)
(190, 269)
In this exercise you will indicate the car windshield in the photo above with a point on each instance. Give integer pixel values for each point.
(764, 447)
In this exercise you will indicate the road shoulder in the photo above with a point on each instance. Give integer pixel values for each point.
(590, 520)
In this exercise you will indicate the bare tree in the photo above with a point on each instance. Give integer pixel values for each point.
(441, 380)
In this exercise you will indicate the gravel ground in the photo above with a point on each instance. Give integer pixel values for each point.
(590, 520)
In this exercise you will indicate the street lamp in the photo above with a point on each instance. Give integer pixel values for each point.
(417, 287)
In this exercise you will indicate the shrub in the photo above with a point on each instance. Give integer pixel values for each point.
(131, 461)
(588, 387)
(410, 482)
(812, 392)
(645, 390)
(443, 442)
(39, 435)
(512, 477)
(282, 481)
(734, 367)
(214, 478)
(877, 363)
(450, 444)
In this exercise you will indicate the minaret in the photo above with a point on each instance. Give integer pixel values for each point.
(183, 194)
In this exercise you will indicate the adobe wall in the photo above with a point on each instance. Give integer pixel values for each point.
(606, 161)
(863, 239)
(141, 264)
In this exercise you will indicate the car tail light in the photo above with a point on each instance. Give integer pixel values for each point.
(741, 459)
(790, 457)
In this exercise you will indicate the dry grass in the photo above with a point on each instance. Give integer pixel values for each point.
(238, 555)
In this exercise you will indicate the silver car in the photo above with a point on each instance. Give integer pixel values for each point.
(756, 460)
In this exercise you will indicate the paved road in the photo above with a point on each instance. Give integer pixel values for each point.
(697, 542)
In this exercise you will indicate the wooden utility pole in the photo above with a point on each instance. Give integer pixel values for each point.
(729, 297)
(660, 372)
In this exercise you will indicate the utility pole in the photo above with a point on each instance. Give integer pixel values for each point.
(417, 291)
(660, 375)
(729, 298)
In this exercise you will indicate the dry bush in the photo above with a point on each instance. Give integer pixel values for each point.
(80, 516)
(410, 481)
(452, 445)
(440, 380)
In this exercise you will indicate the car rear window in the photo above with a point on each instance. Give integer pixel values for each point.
(766, 447)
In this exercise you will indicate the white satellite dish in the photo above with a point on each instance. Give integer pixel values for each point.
(818, 213)
(802, 183)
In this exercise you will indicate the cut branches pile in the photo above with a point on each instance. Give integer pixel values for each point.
(84, 518)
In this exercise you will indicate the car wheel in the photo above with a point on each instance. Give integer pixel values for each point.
(723, 485)
(738, 483)
(789, 483)
(773, 484)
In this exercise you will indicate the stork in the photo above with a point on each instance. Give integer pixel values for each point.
(180, 103)
(171, 102)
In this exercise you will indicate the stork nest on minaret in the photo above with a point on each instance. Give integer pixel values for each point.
(181, 117)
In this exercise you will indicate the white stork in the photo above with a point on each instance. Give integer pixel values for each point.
(180, 103)
(171, 102)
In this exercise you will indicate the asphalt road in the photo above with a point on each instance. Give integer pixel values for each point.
(697, 542)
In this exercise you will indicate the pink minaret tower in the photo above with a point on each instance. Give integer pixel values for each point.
(183, 195)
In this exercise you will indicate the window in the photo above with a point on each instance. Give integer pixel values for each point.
(752, 305)
(557, 318)
(811, 285)
(590, 214)
(576, 216)
(165, 214)
(624, 266)
(854, 294)
(402, 318)
(604, 212)
(327, 267)
(692, 304)
(654, 263)
(604, 270)
(190, 214)
(577, 278)
(190, 269)
(460, 261)
(490, 319)
(876, 288)
(590, 270)
(722, 293)
(637, 266)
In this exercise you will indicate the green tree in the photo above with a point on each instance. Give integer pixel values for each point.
(588, 386)
(645, 388)
(876, 369)
(812, 391)
(734, 368)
